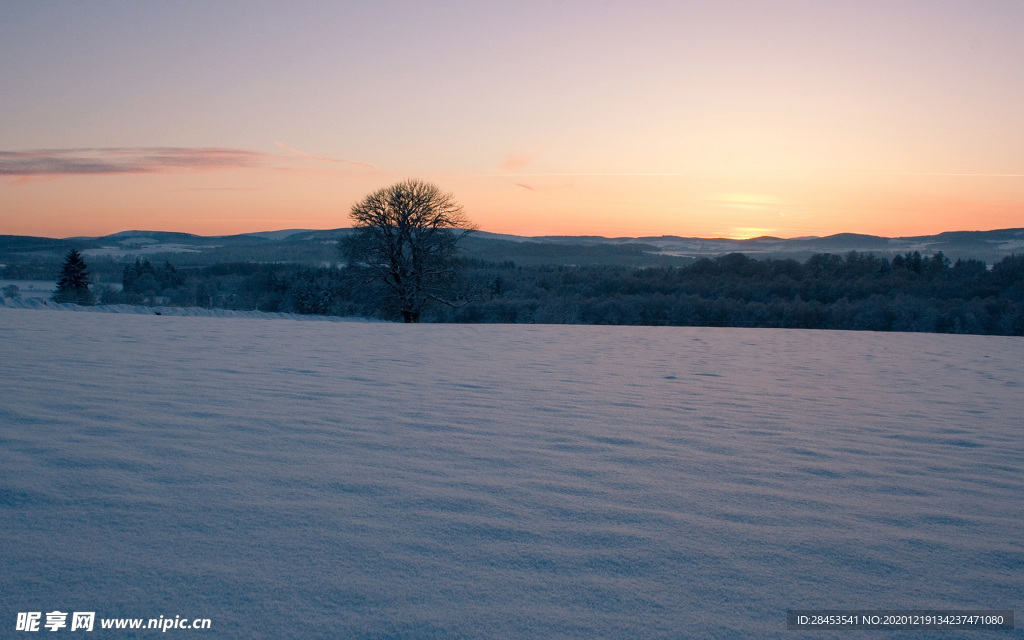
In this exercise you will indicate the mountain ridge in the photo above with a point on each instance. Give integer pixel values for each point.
(316, 246)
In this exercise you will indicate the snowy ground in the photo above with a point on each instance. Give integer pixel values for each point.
(31, 289)
(371, 480)
(47, 304)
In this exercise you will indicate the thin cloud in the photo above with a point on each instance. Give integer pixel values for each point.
(221, 189)
(976, 175)
(323, 159)
(544, 187)
(747, 201)
(516, 161)
(577, 175)
(106, 161)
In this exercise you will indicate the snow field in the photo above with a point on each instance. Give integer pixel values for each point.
(370, 480)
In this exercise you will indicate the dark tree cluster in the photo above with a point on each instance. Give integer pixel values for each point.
(243, 286)
(857, 292)
(73, 284)
(142, 282)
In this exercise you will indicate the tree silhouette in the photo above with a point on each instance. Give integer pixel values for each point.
(73, 283)
(406, 237)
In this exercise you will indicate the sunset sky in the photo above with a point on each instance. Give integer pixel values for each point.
(719, 118)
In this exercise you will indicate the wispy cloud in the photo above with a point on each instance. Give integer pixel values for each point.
(516, 161)
(547, 186)
(973, 175)
(580, 175)
(103, 161)
(323, 159)
(221, 189)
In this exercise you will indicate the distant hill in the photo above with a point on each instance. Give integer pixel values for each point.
(983, 245)
(317, 247)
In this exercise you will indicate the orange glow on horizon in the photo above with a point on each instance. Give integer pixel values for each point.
(244, 200)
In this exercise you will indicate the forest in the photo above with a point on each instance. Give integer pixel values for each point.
(855, 291)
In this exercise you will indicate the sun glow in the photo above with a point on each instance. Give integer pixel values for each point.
(745, 233)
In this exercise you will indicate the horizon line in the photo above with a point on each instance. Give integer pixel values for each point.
(549, 235)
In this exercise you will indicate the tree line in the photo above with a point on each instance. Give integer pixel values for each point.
(910, 292)
(857, 292)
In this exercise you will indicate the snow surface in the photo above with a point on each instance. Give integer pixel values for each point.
(141, 247)
(39, 303)
(30, 289)
(372, 480)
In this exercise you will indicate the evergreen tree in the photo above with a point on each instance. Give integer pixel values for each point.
(73, 283)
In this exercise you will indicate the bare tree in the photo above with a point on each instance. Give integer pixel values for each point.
(406, 237)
